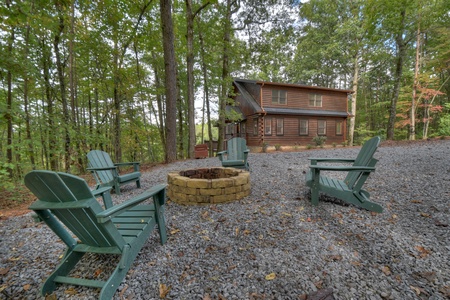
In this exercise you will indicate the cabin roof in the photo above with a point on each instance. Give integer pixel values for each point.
(296, 85)
(305, 112)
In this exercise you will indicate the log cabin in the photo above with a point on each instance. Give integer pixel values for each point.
(286, 114)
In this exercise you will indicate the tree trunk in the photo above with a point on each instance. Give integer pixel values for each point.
(225, 75)
(62, 88)
(8, 114)
(51, 129)
(206, 91)
(190, 16)
(170, 80)
(159, 103)
(25, 106)
(401, 53)
(412, 128)
(353, 101)
(190, 76)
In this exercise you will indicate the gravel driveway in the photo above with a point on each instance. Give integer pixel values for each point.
(274, 244)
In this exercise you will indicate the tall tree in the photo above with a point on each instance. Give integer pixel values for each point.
(190, 18)
(170, 80)
(393, 22)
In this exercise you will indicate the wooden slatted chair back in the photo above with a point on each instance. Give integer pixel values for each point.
(101, 159)
(236, 147)
(363, 159)
(70, 199)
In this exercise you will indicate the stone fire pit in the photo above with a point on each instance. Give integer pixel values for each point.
(208, 185)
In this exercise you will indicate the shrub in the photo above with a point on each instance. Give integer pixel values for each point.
(277, 147)
(309, 146)
(319, 140)
(334, 145)
(264, 147)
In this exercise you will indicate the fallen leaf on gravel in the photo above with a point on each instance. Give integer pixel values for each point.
(423, 252)
(416, 201)
(271, 276)
(97, 272)
(174, 231)
(51, 297)
(70, 291)
(287, 214)
(333, 257)
(319, 284)
(14, 258)
(425, 215)
(26, 287)
(3, 287)
(386, 270)
(163, 290)
(206, 297)
(4, 271)
(415, 289)
(445, 290)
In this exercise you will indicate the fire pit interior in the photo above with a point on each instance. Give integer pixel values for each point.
(208, 185)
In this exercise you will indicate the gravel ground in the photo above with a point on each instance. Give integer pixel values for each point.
(274, 244)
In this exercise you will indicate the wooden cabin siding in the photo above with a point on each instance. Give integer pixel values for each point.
(254, 99)
(291, 135)
(299, 98)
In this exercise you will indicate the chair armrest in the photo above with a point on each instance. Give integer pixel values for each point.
(102, 168)
(105, 193)
(337, 160)
(127, 163)
(341, 168)
(221, 154)
(109, 213)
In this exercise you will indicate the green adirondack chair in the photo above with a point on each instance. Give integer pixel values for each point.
(236, 154)
(64, 199)
(106, 173)
(350, 189)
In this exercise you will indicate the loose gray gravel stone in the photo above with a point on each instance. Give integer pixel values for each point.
(273, 244)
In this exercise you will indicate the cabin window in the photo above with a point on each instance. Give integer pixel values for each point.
(267, 126)
(278, 97)
(303, 127)
(243, 130)
(339, 125)
(255, 126)
(321, 127)
(315, 100)
(280, 126)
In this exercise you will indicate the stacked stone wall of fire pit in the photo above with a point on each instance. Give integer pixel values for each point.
(208, 185)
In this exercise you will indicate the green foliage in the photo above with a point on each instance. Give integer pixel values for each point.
(264, 147)
(277, 147)
(444, 123)
(319, 140)
(5, 182)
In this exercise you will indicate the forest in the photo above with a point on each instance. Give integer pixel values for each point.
(146, 80)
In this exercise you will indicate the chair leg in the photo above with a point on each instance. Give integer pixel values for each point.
(71, 258)
(314, 196)
(117, 188)
(138, 183)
